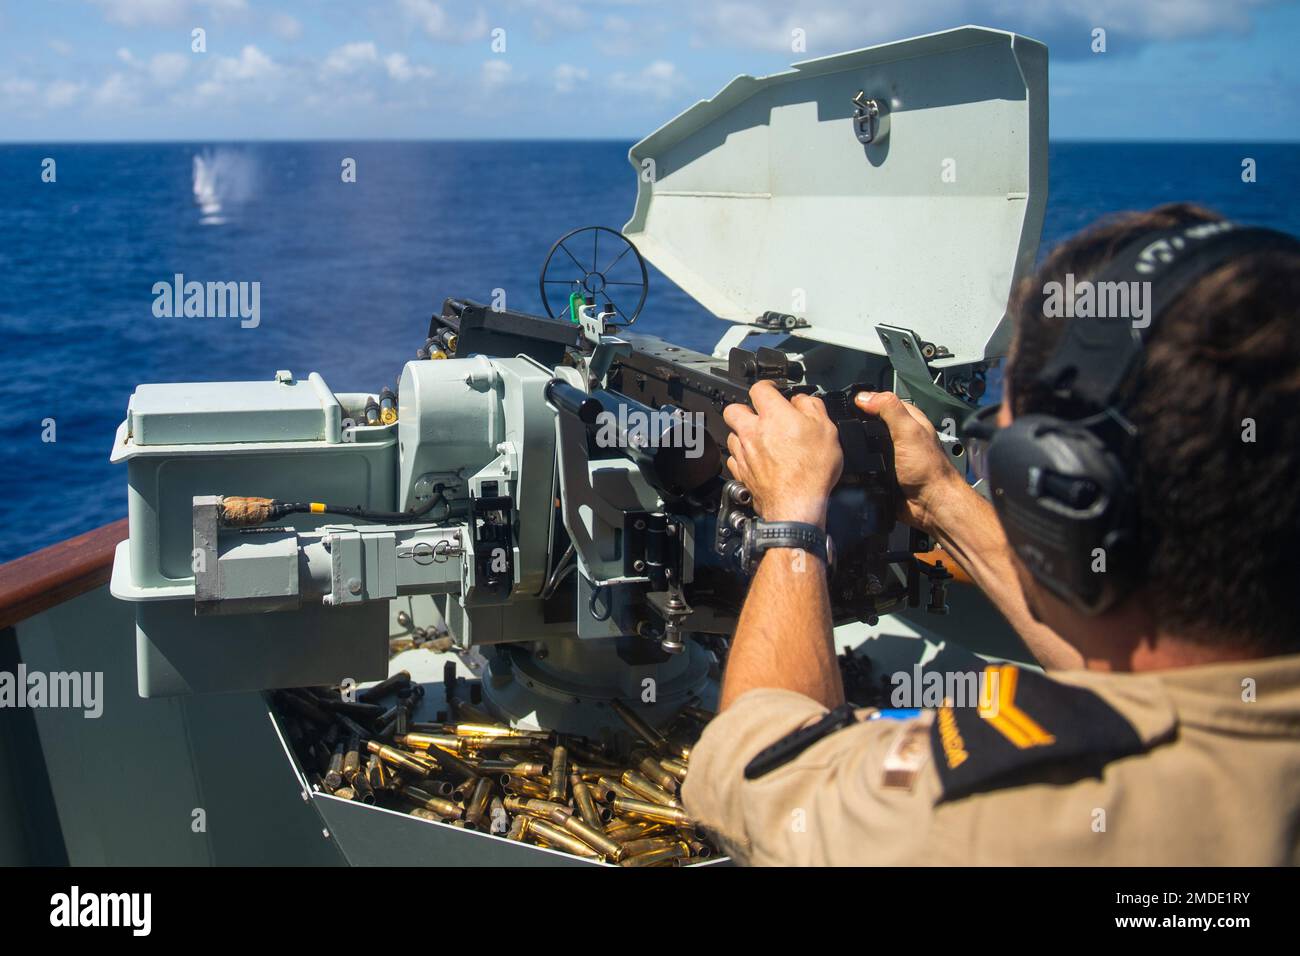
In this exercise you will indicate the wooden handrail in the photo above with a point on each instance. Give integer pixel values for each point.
(37, 582)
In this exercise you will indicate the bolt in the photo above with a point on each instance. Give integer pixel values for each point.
(354, 585)
(638, 565)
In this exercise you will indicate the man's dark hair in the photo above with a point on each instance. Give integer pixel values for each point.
(1220, 514)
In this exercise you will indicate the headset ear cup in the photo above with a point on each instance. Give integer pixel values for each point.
(1066, 504)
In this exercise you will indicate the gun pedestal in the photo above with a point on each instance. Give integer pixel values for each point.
(569, 684)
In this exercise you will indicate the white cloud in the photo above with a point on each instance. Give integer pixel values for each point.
(251, 64)
(401, 69)
(350, 58)
(62, 93)
(231, 79)
(496, 73)
(567, 77)
(659, 79)
(285, 26)
(141, 13)
(621, 36)
(830, 25)
(355, 58)
(168, 69)
(557, 16)
(165, 69)
(118, 91)
(15, 93)
(439, 25)
(61, 47)
(134, 13)
(25, 96)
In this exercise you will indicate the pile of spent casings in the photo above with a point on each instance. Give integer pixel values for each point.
(561, 791)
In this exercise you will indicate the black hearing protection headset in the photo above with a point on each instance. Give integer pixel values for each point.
(1061, 480)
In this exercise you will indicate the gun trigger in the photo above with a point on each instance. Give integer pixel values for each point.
(792, 745)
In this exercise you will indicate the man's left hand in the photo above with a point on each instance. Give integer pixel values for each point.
(787, 453)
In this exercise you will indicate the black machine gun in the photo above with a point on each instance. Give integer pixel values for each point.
(861, 520)
(873, 570)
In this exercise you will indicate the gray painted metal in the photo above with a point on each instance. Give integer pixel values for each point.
(763, 198)
(372, 836)
(126, 785)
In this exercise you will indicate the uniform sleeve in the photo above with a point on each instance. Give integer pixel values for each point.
(863, 795)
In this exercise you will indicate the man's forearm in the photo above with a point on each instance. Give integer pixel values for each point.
(972, 534)
(783, 639)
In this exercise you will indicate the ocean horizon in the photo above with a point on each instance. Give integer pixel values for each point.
(350, 273)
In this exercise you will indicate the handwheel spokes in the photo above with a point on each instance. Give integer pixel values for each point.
(592, 281)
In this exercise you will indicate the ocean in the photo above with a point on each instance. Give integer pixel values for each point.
(350, 273)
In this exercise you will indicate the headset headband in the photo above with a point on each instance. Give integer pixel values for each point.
(1097, 358)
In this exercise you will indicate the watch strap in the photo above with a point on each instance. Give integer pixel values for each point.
(789, 534)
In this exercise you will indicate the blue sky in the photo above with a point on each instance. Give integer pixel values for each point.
(415, 69)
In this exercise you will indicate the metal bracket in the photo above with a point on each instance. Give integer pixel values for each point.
(204, 559)
(734, 511)
(903, 347)
(363, 567)
(865, 112)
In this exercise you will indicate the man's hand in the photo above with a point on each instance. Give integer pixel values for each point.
(787, 453)
(928, 481)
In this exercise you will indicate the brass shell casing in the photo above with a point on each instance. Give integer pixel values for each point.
(583, 800)
(440, 806)
(609, 785)
(646, 790)
(658, 775)
(476, 807)
(535, 808)
(589, 835)
(651, 812)
(674, 767)
(559, 773)
(425, 741)
(646, 844)
(398, 758)
(656, 857)
(558, 839)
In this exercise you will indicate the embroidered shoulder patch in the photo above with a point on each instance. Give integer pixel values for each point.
(1022, 718)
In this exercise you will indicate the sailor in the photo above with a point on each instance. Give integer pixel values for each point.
(1141, 540)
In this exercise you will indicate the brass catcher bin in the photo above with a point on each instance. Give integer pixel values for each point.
(564, 792)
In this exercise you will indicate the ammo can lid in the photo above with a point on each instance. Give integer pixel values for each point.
(764, 198)
(206, 413)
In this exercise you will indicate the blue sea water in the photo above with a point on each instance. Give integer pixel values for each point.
(350, 273)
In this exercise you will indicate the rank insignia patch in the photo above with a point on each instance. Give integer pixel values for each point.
(1023, 718)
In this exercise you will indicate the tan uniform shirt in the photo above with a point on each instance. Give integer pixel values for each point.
(1212, 776)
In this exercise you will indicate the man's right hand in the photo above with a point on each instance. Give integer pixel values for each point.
(928, 480)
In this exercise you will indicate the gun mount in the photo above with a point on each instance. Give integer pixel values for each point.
(558, 485)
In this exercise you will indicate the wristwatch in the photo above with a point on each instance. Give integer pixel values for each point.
(761, 535)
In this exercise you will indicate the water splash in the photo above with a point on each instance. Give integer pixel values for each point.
(222, 177)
